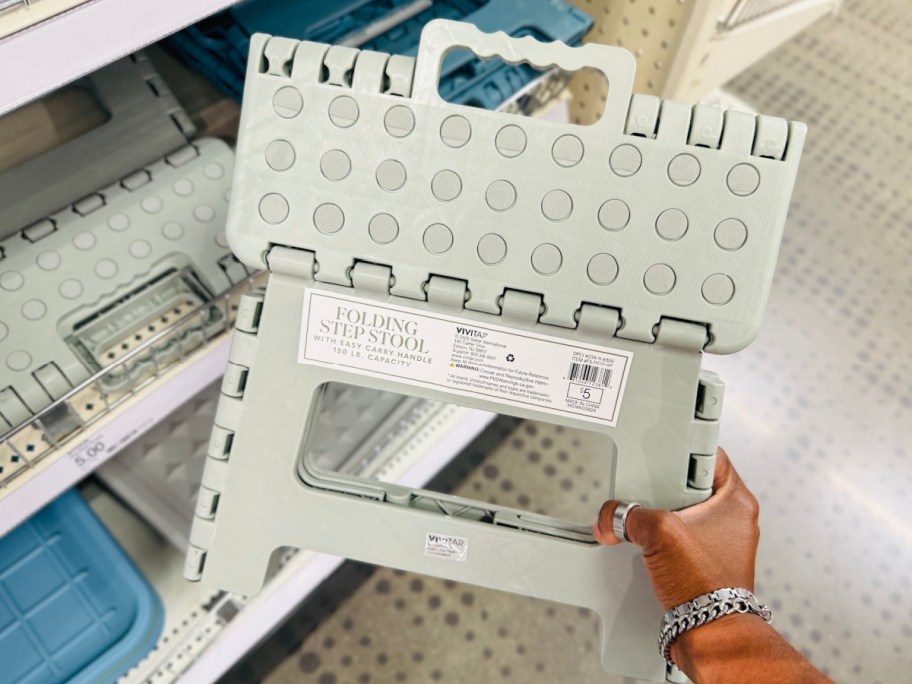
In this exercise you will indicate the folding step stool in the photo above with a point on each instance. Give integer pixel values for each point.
(570, 274)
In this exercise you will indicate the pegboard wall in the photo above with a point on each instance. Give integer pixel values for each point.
(687, 48)
(650, 29)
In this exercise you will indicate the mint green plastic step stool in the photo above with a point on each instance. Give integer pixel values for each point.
(565, 273)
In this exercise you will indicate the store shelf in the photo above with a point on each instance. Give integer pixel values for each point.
(716, 50)
(72, 437)
(85, 38)
(103, 439)
(208, 631)
(306, 571)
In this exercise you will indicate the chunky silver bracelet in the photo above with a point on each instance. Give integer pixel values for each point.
(706, 608)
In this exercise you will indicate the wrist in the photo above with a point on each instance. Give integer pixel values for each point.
(741, 648)
(705, 609)
(712, 640)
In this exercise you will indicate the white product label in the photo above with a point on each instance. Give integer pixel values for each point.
(517, 368)
(447, 546)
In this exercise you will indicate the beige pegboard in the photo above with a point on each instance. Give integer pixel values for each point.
(650, 29)
(684, 48)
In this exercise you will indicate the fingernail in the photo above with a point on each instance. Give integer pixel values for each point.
(596, 532)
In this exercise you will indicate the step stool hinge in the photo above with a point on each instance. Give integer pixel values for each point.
(448, 292)
(370, 277)
(710, 392)
(671, 332)
(595, 319)
(521, 306)
(298, 263)
(701, 470)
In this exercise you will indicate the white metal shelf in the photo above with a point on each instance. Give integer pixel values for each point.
(36, 60)
(101, 422)
(97, 443)
(268, 609)
(202, 641)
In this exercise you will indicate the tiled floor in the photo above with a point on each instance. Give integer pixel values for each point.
(818, 417)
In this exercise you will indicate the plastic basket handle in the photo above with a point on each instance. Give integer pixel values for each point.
(441, 35)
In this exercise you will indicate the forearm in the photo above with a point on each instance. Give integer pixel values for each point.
(741, 648)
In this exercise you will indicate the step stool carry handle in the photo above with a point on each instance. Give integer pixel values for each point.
(441, 36)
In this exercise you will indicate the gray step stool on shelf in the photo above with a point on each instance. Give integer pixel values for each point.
(143, 122)
(85, 285)
(564, 273)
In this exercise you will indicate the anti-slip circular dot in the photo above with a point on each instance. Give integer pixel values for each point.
(173, 230)
(287, 102)
(4, 331)
(273, 208)
(556, 205)
(335, 165)
(19, 360)
(383, 229)
(659, 279)
(280, 155)
(437, 238)
(106, 268)
(684, 170)
(48, 260)
(399, 121)
(492, 249)
(343, 111)
(671, 224)
(625, 160)
(214, 171)
(500, 195)
(391, 175)
(204, 213)
(602, 269)
(152, 204)
(183, 187)
(567, 151)
(743, 179)
(547, 259)
(455, 131)
(446, 185)
(11, 281)
(613, 215)
(718, 289)
(84, 241)
(70, 288)
(140, 249)
(221, 239)
(328, 218)
(118, 222)
(730, 234)
(34, 309)
(510, 141)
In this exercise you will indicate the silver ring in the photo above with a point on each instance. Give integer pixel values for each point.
(619, 519)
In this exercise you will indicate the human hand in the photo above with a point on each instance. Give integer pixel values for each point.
(698, 549)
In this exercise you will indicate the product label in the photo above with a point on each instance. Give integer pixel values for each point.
(439, 351)
(447, 546)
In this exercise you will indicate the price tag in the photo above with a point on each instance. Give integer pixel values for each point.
(90, 454)
(94, 451)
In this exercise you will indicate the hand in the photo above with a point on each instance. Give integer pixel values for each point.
(698, 549)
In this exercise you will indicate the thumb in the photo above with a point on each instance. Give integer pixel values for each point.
(603, 531)
(651, 528)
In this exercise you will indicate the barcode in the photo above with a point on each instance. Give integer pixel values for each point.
(593, 375)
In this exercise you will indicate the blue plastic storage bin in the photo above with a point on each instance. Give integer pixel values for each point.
(73, 607)
(218, 46)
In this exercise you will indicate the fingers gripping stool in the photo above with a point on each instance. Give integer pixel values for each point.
(571, 274)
